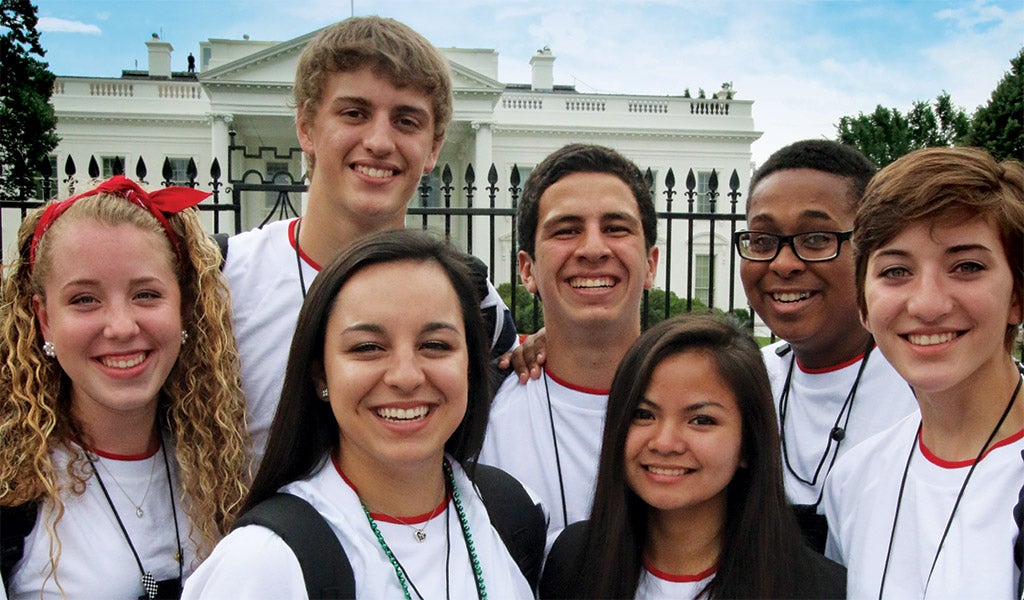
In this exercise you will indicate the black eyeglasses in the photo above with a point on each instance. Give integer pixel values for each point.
(812, 246)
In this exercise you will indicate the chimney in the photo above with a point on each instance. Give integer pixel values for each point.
(543, 71)
(159, 57)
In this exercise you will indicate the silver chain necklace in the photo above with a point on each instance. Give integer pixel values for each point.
(138, 505)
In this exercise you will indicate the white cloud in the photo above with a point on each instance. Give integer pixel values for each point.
(53, 24)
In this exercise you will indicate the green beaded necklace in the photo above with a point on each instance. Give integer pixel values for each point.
(474, 560)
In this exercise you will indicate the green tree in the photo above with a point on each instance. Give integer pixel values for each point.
(526, 308)
(999, 125)
(27, 118)
(887, 134)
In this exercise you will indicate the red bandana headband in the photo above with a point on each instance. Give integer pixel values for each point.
(163, 202)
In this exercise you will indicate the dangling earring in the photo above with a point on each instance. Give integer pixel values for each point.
(184, 337)
(324, 394)
(49, 349)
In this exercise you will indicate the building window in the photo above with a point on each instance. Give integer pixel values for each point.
(432, 181)
(524, 174)
(108, 168)
(277, 172)
(43, 191)
(702, 278)
(179, 170)
(654, 184)
(703, 203)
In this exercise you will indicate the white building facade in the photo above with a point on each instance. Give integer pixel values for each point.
(240, 94)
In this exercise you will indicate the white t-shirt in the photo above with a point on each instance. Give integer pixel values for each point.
(254, 562)
(656, 585)
(977, 557)
(814, 401)
(262, 271)
(519, 441)
(95, 559)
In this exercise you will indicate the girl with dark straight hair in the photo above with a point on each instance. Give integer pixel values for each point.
(689, 499)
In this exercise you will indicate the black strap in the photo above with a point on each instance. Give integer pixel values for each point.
(16, 522)
(325, 566)
(516, 517)
(518, 520)
(222, 242)
(500, 327)
(1018, 547)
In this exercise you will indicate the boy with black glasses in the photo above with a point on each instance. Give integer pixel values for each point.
(797, 269)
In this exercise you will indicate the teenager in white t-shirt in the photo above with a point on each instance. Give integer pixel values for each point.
(382, 415)
(798, 273)
(123, 453)
(373, 101)
(586, 231)
(927, 511)
(690, 473)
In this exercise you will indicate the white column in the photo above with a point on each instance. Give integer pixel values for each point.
(219, 140)
(482, 158)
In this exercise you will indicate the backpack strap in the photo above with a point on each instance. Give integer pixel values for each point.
(17, 522)
(515, 516)
(498, 323)
(325, 566)
(1018, 546)
(564, 573)
(222, 242)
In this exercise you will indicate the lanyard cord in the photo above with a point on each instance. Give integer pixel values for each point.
(148, 581)
(554, 442)
(956, 504)
(298, 257)
(837, 434)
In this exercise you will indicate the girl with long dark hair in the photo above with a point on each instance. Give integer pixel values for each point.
(689, 500)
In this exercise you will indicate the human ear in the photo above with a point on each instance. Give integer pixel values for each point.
(526, 272)
(320, 381)
(304, 131)
(652, 267)
(435, 150)
(39, 307)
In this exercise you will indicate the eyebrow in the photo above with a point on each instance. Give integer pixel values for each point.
(957, 249)
(404, 109)
(557, 219)
(690, 408)
(380, 329)
(95, 282)
(811, 214)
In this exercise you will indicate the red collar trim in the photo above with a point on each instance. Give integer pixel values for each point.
(388, 518)
(959, 464)
(679, 578)
(572, 386)
(124, 457)
(833, 368)
(295, 244)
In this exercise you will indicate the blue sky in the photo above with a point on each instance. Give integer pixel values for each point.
(803, 63)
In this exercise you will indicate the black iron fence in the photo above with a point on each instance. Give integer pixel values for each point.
(704, 218)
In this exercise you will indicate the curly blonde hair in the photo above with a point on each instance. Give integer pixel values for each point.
(201, 405)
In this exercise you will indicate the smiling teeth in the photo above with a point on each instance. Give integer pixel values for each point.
(372, 172)
(124, 363)
(580, 282)
(932, 339)
(403, 414)
(790, 297)
(664, 471)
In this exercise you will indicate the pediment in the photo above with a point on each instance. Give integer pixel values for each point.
(273, 65)
(465, 79)
(276, 66)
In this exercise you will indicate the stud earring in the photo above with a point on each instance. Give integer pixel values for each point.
(49, 349)
(184, 337)
(324, 393)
